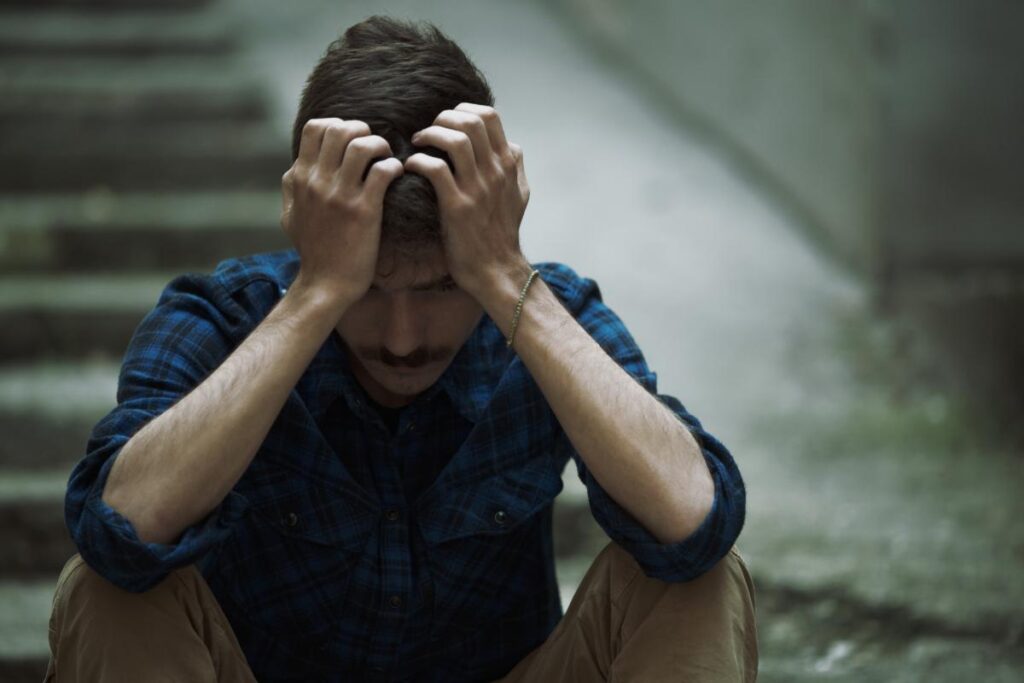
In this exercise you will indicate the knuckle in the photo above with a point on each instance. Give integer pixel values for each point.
(379, 167)
(313, 126)
(319, 186)
(357, 127)
(299, 175)
(462, 204)
(335, 128)
(337, 201)
(508, 163)
(357, 210)
(356, 143)
(367, 142)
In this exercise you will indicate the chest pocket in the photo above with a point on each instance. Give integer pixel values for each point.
(484, 542)
(289, 566)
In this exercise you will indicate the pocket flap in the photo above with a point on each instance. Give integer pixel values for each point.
(497, 505)
(303, 509)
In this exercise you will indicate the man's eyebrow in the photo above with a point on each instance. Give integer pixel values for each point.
(443, 280)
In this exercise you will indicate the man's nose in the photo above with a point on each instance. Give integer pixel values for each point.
(401, 329)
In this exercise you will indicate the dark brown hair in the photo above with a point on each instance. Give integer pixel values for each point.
(396, 76)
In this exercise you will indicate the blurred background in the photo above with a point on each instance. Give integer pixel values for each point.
(809, 214)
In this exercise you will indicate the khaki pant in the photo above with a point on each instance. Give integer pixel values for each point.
(620, 626)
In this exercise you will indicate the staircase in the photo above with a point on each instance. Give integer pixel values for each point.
(135, 147)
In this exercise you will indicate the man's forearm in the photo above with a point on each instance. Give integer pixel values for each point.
(182, 464)
(636, 448)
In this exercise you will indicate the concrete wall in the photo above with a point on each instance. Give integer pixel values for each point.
(953, 187)
(788, 85)
(894, 128)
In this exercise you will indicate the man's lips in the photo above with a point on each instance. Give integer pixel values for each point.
(401, 370)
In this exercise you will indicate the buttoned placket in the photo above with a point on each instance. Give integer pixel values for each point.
(396, 582)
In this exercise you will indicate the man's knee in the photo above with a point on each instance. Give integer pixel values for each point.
(99, 631)
(85, 596)
(709, 619)
(743, 584)
(727, 582)
(720, 603)
(78, 584)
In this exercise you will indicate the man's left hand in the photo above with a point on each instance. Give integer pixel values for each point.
(481, 206)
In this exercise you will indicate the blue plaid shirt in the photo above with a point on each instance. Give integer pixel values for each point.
(348, 552)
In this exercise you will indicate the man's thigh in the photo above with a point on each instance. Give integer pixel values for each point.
(623, 625)
(100, 632)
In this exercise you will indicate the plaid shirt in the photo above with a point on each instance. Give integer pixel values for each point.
(347, 552)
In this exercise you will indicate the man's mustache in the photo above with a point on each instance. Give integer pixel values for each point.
(416, 359)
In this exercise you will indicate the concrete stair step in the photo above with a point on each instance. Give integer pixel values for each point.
(68, 90)
(23, 669)
(48, 410)
(103, 5)
(104, 231)
(156, 156)
(36, 541)
(74, 316)
(77, 31)
(24, 648)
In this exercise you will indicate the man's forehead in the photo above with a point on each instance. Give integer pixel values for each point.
(420, 271)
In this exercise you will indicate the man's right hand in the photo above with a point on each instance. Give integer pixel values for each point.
(330, 214)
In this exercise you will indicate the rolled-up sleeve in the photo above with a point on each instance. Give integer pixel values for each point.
(702, 549)
(175, 347)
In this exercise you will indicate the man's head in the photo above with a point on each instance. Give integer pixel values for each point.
(397, 76)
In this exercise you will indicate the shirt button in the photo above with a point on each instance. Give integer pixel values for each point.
(396, 601)
(291, 519)
(500, 517)
(392, 515)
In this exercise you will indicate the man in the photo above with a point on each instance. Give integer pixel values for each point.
(337, 462)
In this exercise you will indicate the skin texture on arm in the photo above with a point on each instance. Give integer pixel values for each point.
(636, 448)
(182, 464)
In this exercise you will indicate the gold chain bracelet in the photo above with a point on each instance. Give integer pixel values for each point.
(519, 308)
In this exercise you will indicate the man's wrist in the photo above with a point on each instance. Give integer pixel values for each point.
(499, 289)
(318, 301)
